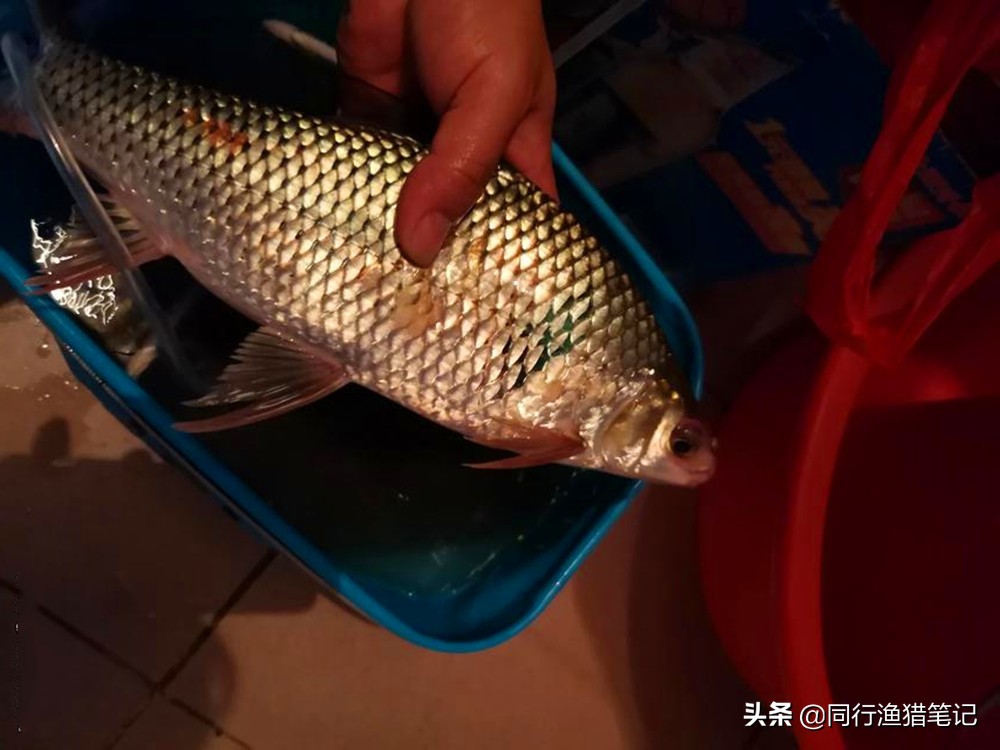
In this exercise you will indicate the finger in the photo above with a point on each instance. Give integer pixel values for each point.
(530, 151)
(370, 43)
(530, 148)
(471, 138)
(362, 102)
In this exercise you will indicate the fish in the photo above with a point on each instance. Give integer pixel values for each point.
(525, 335)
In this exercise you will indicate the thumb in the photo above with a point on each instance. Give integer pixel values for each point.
(471, 139)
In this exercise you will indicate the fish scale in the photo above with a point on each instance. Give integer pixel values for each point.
(523, 316)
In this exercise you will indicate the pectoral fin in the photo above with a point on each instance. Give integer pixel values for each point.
(84, 257)
(269, 376)
(533, 446)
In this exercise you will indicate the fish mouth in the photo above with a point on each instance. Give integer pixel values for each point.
(700, 474)
(690, 479)
(695, 480)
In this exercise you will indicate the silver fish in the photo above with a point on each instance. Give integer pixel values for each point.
(525, 335)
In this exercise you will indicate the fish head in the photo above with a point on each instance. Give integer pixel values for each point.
(650, 435)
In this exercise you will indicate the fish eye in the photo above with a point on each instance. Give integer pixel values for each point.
(684, 440)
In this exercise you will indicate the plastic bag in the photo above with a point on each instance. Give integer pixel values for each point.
(953, 36)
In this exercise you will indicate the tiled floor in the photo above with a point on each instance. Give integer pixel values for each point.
(136, 615)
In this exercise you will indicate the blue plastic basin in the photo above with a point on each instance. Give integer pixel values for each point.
(445, 557)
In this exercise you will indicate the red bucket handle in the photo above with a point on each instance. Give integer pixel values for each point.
(953, 36)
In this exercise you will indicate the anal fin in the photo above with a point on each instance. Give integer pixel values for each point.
(83, 257)
(269, 376)
(533, 446)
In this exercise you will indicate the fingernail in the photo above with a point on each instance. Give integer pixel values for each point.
(427, 238)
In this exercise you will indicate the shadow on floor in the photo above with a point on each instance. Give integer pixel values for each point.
(641, 597)
(64, 515)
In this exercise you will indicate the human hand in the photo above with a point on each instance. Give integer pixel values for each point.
(484, 67)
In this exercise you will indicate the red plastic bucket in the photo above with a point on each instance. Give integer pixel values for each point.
(850, 541)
